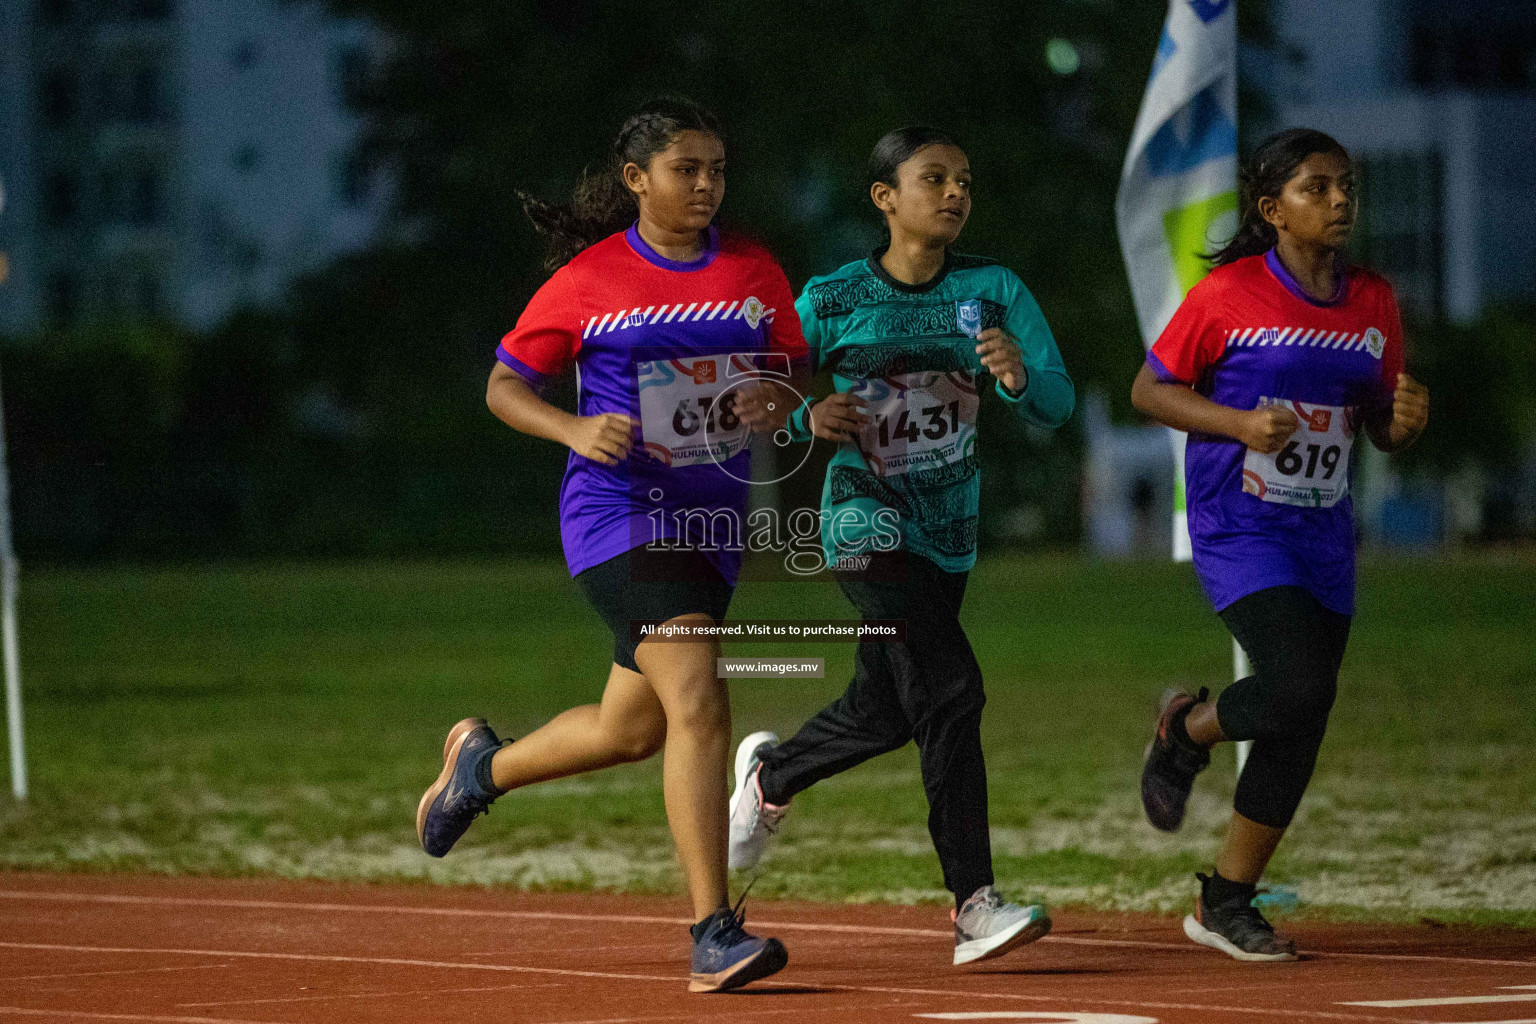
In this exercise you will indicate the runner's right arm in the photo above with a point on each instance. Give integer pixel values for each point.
(544, 345)
(1165, 386)
(606, 437)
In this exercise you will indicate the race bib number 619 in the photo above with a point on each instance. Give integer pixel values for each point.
(1312, 470)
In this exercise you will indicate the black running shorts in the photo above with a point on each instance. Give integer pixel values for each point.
(650, 585)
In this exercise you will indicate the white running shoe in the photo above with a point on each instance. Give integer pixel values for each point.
(753, 822)
(987, 926)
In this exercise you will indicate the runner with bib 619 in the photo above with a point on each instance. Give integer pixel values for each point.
(1271, 364)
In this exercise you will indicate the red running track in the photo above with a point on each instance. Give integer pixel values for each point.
(204, 951)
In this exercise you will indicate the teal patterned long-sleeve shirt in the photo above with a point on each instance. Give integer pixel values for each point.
(911, 479)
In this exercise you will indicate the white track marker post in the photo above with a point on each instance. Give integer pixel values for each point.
(8, 629)
(1178, 187)
(1241, 670)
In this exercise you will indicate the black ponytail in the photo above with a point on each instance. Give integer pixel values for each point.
(897, 147)
(1265, 174)
(601, 203)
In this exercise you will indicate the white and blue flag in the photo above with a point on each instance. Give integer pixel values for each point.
(1178, 188)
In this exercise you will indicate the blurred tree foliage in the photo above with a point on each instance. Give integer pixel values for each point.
(1481, 377)
(352, 420)
(475, 100)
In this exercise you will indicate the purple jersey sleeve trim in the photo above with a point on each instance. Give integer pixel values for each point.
(1272, 261)
(527, 372)
(1162, 372)
(651, 256)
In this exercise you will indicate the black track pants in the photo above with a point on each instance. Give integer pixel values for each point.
(927, 689)
(1295, 646)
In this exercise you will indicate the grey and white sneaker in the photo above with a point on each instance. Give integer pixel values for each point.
(1236, 928)
(753, 822)
(987, 926)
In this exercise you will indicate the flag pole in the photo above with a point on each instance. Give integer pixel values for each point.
(12, 659)
(1241, 670)
(1178, 191)
(9, 653)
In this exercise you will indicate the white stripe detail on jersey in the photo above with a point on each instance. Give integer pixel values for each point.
(700, 314)
(718, 308)
(599, 328)
(660, 311)
(690, 309)
(1247, 337)
(730, 309)
(618, 319)
(587, 329)
(1300, 338)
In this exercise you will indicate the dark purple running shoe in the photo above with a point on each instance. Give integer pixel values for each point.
(1171, 764)
(452, 802)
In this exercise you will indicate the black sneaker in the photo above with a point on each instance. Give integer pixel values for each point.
(1171, 764)
(1236, 928)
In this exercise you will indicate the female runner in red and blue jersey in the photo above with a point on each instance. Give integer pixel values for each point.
(657, 310)
(1271, 364)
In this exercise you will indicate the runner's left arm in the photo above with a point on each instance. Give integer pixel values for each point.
(814, 332)
(786, 338)
(1398, 409)
(1047, 397)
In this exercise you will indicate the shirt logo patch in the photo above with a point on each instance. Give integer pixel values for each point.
(1269, 336)
(752, 311)
(1319, 419)
(1375, 342)
(635, 319)
(704, 372)
(968, 317)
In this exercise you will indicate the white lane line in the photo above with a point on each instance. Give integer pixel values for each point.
(1054, 1018)
(333, 958)
(545, 915)
(1403, 1004)
(837, 1012)
(156, 1018)
(99, 974)
(674, 979)
(368, 995)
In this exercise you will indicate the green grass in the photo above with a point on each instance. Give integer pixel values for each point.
(283, 720)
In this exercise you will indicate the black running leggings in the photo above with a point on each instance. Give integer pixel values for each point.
(927, 689)
(1295, 646)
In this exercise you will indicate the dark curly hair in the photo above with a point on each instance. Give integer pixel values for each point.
(1265, 174)
(601, 203)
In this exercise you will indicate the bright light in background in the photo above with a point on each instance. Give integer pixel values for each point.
(1062, 57)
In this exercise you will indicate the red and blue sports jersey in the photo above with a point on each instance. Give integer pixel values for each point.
(1249, 334)
(636, 324)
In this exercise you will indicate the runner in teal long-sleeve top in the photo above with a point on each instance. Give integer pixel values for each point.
(909, 352)
(910, 335)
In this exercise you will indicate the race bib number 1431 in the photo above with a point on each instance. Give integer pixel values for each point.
(1312, 470)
